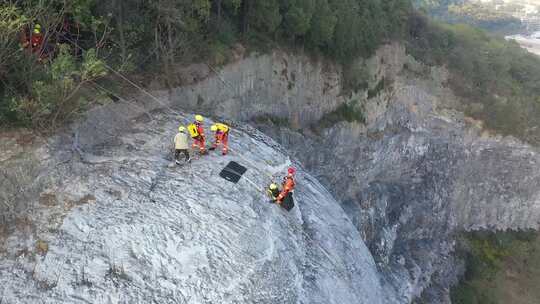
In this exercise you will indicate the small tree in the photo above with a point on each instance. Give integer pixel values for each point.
(55, 97)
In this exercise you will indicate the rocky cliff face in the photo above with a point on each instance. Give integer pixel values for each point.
(411, 173)
(279, 85)
(408, 170)
(419, 178)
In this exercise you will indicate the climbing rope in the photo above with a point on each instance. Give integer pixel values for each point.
(171, 110)
(114, 71)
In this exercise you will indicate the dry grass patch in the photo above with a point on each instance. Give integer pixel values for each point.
(48, 199)
(42, 247)
(87, 199)
(25, 139)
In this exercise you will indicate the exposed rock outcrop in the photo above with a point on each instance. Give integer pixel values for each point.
(114, 223)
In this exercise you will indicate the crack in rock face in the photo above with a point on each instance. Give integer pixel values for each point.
(120, 225)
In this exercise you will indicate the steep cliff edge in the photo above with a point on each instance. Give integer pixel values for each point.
(411, 171)
(419, 178)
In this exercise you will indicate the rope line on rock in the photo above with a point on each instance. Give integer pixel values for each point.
(108, 67)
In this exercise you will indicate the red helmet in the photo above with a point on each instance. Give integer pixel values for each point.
(291, 171)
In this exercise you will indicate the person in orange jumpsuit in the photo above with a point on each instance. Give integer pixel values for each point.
(200, 139)
(221, 137)
(288, 185)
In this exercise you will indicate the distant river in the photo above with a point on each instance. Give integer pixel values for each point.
(530, 42)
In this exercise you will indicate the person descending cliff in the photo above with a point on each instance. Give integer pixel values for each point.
(273, 191)
(285, 197)
(288, 185)
(221, 136)
(181, 146)
(196, 130)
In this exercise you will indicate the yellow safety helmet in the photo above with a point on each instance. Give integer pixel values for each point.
(199, 118)
(182, 129)
(273, 186)
(37, 29)
(214, 128)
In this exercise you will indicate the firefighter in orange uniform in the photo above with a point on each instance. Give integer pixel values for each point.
(288, 185)
(196, 130)
(221, 137)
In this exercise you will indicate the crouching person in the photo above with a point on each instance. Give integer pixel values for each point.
(273, 192)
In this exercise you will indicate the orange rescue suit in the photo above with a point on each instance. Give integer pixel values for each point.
(222, 137)
(200, 140)
(288, 186)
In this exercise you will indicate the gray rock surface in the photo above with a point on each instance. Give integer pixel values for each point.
(418, 178)
(297, 88)
(410, 177)
(114, 222)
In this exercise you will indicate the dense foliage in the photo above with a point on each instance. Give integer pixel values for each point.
(40, 86)
(143, 35)
(498, 80)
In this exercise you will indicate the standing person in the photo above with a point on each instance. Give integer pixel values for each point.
(288, 185)
(36, 39)
(181, 145)
(196, 130)
(221, 137)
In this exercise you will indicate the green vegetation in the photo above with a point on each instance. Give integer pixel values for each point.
(141, 36)
(53, 96)
(37, 89)
(502, 267)
(498, 81)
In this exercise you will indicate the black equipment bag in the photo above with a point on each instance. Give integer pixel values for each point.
(233, 172)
